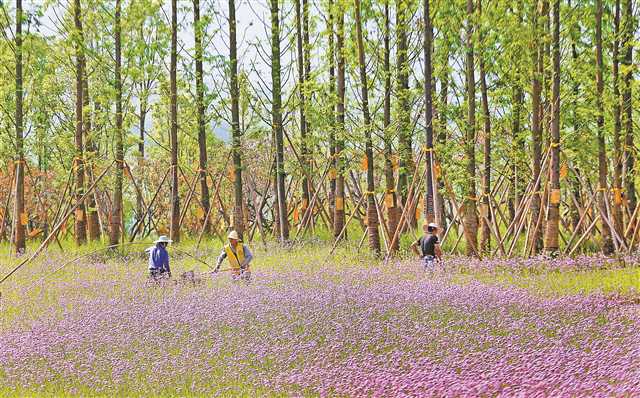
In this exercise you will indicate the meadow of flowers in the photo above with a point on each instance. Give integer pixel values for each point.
(314, 329)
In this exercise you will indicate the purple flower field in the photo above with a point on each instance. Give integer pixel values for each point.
(391, 331)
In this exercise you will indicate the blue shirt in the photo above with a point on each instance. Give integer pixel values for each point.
(159, 258)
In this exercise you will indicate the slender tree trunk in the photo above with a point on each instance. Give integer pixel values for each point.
(627, 111)
(19, 214)
(141, 128)
(372, 212)
(174, 230)
(276, 112)
(617, 127)
(202, 132)
(93, 222)
(536, 130)
(429, 197)
(302, 106)
(546, 76)
(607, 247)
(332, 119)
(442, 134)
(339, 218)
(307, 89)
(575, 206)
(403, 107)
(551, 243)
(238, 213)
(485, 233)
(391, 199)
(469, 191)
(80, 228)
(116, 208)
(517, 166)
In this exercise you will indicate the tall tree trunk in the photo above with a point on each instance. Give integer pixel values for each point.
(607, 247)
(93, 222)
(302, 106)
(551, 242)
(627, 111)
(403, 106)
(372, 212)
(339, 218)
(80, 228)
(536, 131)
(617, 127)
(332, 117)
(391, 199)
(238, 218)
(309, 94)
(141, 129)
(517, 166)
(442, 133)
(485, 233)
(575, 206)
(276, 112)
(202, 132)
(174, 230)
(116, 209)
(19, 215)
(429, 197)
(546, 76)
(469, 190)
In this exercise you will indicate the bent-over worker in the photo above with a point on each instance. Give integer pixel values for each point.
(159, 258)
(429, 246)
(239, 257)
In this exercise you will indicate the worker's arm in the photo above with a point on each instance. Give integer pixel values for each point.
(248, 256)
(414, 248)
(438, 251)
(221, 258)
(166, 264)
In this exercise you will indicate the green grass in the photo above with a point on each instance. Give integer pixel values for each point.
(624, 281)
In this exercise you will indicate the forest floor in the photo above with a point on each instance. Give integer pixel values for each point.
(310, 324)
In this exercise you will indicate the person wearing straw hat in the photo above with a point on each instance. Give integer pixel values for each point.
(239, 257)
(159, 258)
(429, 246)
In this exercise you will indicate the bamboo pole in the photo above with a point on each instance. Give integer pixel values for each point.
(45, 243)
(396, 233)
(584, 235)
(344, 228)
(135, 229)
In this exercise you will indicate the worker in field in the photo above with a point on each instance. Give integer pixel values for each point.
(428, 246)
(159, 258)
(239, 257)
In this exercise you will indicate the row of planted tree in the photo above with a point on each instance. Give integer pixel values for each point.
(509, 123)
